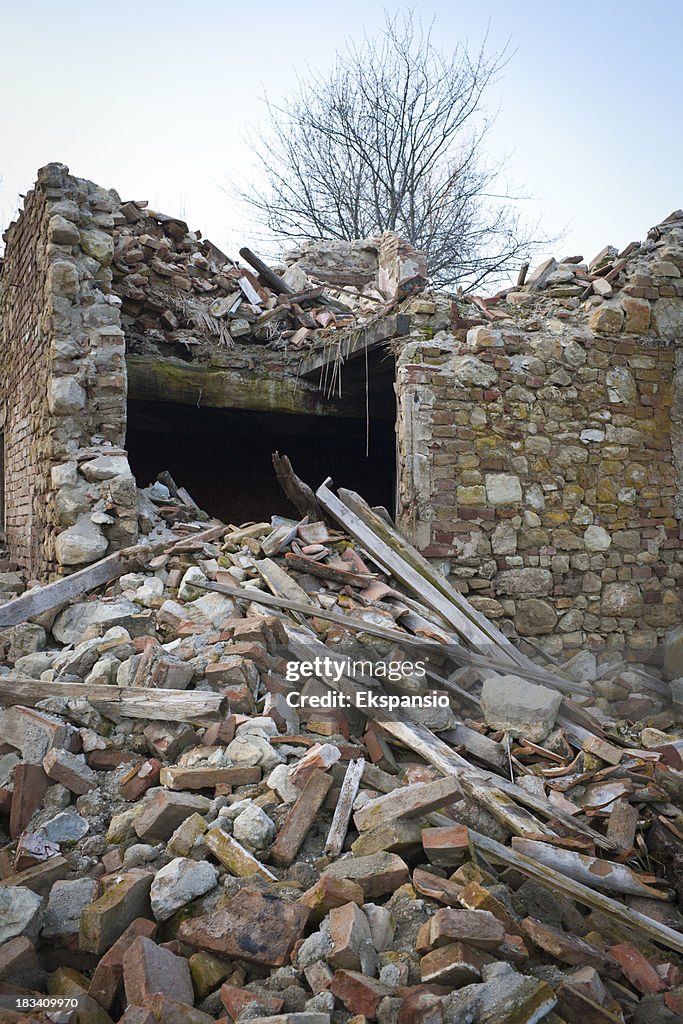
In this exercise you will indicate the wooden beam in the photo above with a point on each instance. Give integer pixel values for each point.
(342, 812)
(132, 559)
(268, 276)
(166, 380)
(44, 599)
(631, 919)
(354, 342)
(195, 706)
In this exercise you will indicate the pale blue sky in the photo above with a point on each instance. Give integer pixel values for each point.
(153, 98)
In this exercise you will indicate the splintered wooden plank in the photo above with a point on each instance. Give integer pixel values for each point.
(422, 741)
(342, 812)
(387, 548)
(399, 558)
(44, 599)
(590, 870)
(121, 701)
(631, 920)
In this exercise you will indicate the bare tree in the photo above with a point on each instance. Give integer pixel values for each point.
(392, 139)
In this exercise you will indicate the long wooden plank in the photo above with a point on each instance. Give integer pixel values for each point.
(418, 738)
(131, 559)
(631, 919)
(121, 701)
(44, 599)
(399, 558)
(274, 600)
(342, 812)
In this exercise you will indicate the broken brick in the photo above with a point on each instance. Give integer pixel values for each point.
(30, 783)
(235, 999)
(108, 974)
(139, 779)
(300, 819)
(105, 920)
(69, 770)
(454, 964)
(358, 993)
(149, 970)
(377, 875)
(255, 927)
(161, 815)
(636, 969)
(449, 846)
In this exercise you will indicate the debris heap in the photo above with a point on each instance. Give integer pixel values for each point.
(212, 809)
(179, 290)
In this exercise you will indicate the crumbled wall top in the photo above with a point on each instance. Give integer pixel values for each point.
(635, 291)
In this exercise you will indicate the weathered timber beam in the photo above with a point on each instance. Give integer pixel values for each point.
(156, 379)
(195, 706)
(355, 342)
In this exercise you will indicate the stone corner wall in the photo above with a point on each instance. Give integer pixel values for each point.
(69, 494)
(540, 460)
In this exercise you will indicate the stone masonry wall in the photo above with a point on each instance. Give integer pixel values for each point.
(540, 457)
(69, 493)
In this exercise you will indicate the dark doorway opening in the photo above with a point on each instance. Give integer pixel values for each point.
(223, 456)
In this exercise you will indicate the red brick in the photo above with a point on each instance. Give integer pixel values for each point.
(108, 975)
(149, 970)
(636, 969)
(255, 927)
(234, 1000)
(139, 779)
(358, 993)
(30, 783)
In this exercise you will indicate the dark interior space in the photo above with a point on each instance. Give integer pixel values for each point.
(223, 457)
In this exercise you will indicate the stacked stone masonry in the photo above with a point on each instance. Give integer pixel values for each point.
(540, 454)
(539, 434)
(69, 494)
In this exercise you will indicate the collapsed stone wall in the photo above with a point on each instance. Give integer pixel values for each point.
(540, 454)
(69, 494)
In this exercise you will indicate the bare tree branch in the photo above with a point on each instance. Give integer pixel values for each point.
(392, 138)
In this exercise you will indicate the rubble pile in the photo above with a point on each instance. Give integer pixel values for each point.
(641, 272)
(224, 796)
(179, 289)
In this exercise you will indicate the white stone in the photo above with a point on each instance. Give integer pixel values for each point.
(278, 780)
(105, 467)
(253, 750)
(520, 707)
(470, 371)
(186, 592)
(65, 903)
(65, 396)
(65, 475)
(71, 624)
(253, 828)
(20, 913)
(66, 827)
(597, 539)
(621, 386)
(81, 544)
(503, 489)
(150, 592)
(178, 883)
(592, 435)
